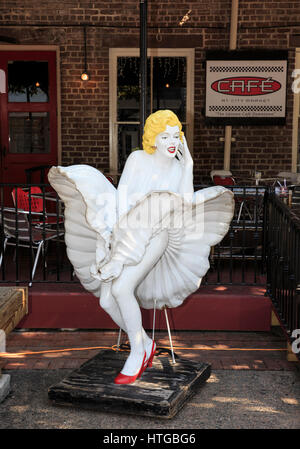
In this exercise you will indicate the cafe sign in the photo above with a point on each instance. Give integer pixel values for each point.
(245, 91)
(246, 86)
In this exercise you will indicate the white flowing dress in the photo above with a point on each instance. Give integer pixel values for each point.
(94, 233)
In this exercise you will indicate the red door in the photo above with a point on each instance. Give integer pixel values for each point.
(28, 113)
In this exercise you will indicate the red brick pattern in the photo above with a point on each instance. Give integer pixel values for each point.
(223, 350)
(263, 24)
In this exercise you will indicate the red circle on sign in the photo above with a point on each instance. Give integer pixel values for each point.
(246, 86)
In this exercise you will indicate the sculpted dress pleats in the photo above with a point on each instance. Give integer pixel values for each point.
(91, 227)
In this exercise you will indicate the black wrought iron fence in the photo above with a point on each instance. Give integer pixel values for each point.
(33, 249)
(239, 258)
(39, 172)
(282, 243)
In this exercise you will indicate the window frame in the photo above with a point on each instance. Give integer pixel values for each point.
(114, 53)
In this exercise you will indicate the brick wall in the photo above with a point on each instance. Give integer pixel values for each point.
(263, 24)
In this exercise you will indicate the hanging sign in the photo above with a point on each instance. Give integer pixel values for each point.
(246, 91)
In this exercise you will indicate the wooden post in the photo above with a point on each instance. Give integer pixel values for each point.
(291, 357)
(143, 66)
(274, 319)
(290, 198)
(232, 46)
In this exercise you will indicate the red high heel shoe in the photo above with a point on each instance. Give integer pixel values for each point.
(123, 379)
(153, 350)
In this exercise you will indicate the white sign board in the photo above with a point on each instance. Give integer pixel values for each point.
(246, 89)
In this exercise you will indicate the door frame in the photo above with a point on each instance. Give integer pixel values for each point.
(20, 48)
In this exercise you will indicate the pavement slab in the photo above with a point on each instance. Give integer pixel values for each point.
(252, 385)
(228, 400)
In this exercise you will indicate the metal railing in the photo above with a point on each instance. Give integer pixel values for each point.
(40, 171)
(282, 248)
(237, 260)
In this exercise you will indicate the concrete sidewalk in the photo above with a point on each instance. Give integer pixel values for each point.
(252, 386)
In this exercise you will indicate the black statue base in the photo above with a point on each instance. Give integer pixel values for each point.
(160, 392)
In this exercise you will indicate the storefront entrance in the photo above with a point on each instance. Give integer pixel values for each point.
(28, 113)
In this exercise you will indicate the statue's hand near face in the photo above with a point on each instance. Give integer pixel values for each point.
(184, 154)
(111, 270)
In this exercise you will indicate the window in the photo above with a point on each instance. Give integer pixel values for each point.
(28, 82)
(170, 86)
(29, 132)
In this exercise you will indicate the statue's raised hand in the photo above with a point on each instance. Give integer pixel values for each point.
(185, 155)
(111, 270)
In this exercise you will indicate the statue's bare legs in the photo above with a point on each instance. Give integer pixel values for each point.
(119, 301)
(109, 304)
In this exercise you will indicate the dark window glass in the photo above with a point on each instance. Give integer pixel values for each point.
(129, 89)
(168, 92)
(28, 81)
(169, 85)
(29, 132)
(128, 141)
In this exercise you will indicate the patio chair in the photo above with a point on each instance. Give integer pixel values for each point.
(19, 230)
(32, 199)
(243, 205)
(225, 178)
(222, 177)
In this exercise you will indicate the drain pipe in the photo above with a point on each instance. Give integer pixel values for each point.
(232, 46)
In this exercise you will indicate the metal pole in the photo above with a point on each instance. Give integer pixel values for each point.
(154, 313)
(84, 36)
(143, 66)
(234, 24)
(170, 337)
(119, 339)
(232, 46)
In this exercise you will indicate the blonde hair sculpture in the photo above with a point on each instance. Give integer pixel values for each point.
(155, 124)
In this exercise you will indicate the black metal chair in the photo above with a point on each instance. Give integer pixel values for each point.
(19, 231)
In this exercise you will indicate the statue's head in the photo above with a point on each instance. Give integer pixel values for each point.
(157, 123)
